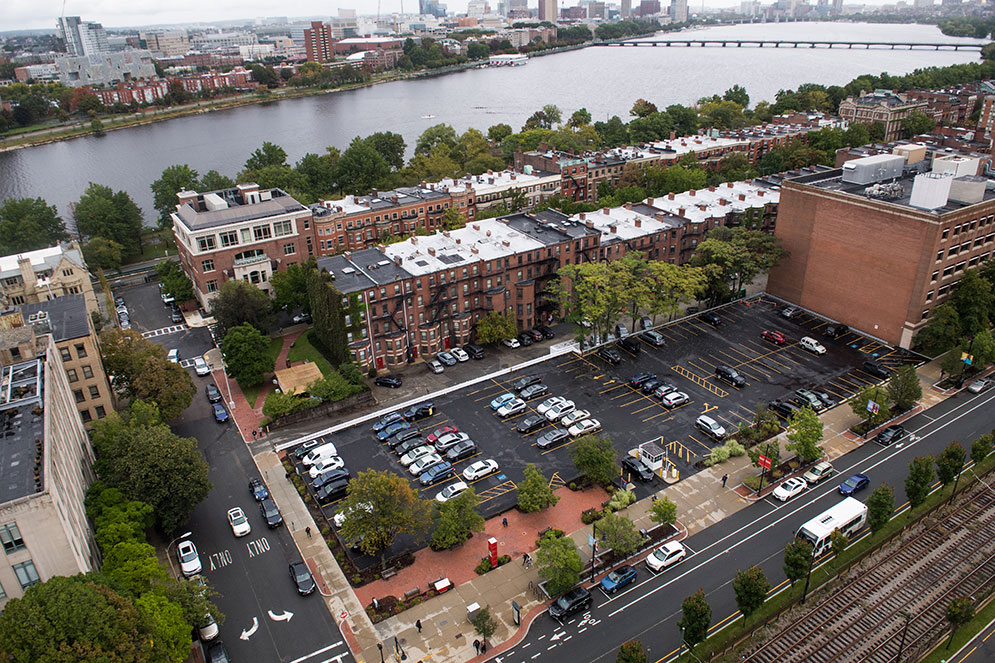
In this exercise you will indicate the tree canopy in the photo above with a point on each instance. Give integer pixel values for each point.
(246, 354)
(102, 212)
(558, 562)
(240, 302)
(139, 369)
(534, 492)
(382, 505)
(28, 224)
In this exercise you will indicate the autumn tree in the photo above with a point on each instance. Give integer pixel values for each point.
(138, 369)
(631, 651)
(496, 326)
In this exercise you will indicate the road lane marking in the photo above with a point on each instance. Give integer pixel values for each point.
(316, 652)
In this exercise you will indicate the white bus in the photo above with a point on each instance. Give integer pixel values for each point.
(849, 516)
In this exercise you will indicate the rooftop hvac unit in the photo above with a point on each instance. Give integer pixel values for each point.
(930, 191)
(877, 168)
(968, 189)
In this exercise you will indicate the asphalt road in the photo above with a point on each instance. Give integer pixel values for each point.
(650, 610)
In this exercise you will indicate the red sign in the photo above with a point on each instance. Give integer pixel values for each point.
(764, 462)
(492, 551)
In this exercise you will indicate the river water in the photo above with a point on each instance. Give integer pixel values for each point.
(605, 80)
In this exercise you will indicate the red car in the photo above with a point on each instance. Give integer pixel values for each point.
(775, 337)
(439, 432)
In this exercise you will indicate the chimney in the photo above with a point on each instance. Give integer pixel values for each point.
(431, 250)
(373, 193)
(445, 233)
(458, 241)
(673, 135)
(627, 206)
(583, 216)
(186, 196)
(702, 206)
(488, 233)
(475, 226)
(729, 185)
(514, 177)
(742, 196)
(613, 229)
(589, 224)
(711, 188)
(414, 240)
(691, 193)
(423, 184)
(649, 201)
(606, 210)
(474, 249)
(505, 243)
(680, 211)
(670, 196)
(638, 222)
(723, 202)
(381, 247)
(660, 216)
(348, 255)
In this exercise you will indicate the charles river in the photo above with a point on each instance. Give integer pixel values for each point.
(605, 80)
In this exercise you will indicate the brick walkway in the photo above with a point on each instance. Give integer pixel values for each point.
(518, 538)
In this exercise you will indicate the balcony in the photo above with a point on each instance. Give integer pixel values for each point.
(253, 260)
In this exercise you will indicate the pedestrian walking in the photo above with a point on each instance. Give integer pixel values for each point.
(725, 477)
(504, 522)
(476, 645)
(254, 434)
(418, 625)
(307, 530)
(525, 560)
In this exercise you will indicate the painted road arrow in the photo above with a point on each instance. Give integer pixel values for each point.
(283, 617)
(247, 634)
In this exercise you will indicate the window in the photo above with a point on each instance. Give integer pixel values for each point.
(283, 228)
(262, 232)
(101, 413)
(71, 373)
(85, 416)
(66, 356)
(246, 235)
(87, 371)
(81, 350)
(67, 272)
(94, 391)
(936, 275)
(205, 243)
(212, 286)
(207, 265)
(26, 574)
(939, 255)
(10, 536)
(229, 238)
(290, 249)
(17, 300)
(78, 395)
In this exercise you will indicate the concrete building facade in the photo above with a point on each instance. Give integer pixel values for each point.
(881, 106)
(37, 276)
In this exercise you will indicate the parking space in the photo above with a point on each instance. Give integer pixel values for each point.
(150, 317)
(629, 415)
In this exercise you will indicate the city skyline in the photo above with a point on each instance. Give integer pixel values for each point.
(113, 14)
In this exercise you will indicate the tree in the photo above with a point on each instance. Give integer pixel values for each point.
(361, 168)
(139, 370)
(327, 316)
(751, 589)
(453, 219)
(631, 651)
(663, 512)
(477, 51)
(740, 254)
(919, 480)
(175, 178)
(290, 286)
(484, 623)
(643, 108)
(942, 332)
(390, 146)
(839, 542)
(950, 463)
(103, 253)
(737, 94)
(981, 448)
(139, 455)
(535, 493)
(439, 134)
(579, 118)
(872, 393)
(875, 132)
(972, 298)
(269, 154)
(167, 621)
(214, 181)
(696, 617)
(880, 506)
(917, 123)
(619, 533)
(174, 280)
(74, 619)
(240, 302)
(904, 389)
(101, 212)
(499, 132)
(28, 224)
(246, 354)
(457, 518)
(959, 612)
(496, 326)
(805, 433)
(594, 457)
(558, 563)
(797, 559)
(381, 506)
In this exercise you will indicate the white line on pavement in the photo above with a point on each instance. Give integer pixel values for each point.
(316, 652)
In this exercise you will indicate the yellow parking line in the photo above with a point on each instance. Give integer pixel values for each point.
(631, 402)
(749, 421)
(626, 393)
(651, 405)
(708, 448)
(702, 359)
(660, 414)
(731, 423)
(613, 388)
(570, 361)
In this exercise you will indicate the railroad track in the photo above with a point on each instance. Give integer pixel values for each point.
(899, 600)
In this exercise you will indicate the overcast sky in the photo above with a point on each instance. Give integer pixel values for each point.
(35, 14)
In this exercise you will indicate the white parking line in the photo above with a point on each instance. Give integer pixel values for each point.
(316, 652)
(163, 331)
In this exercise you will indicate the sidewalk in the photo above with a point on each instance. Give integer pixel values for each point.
(446, 634)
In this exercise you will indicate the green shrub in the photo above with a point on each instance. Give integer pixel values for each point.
(589, 516)
(718, 455)
(483, 567)
(753, 482)
(735, 448)
(621, 499)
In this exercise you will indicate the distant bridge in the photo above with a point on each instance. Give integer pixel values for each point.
(795, 43)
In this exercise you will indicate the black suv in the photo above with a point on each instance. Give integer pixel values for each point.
(392, 381)
(784, 408)
(638, 468)
(271, 514)
(419, 411)
(836, 330)
(638, 379)
(475, 351)
(629, 343)
(545, 331)
(610, 355)
(890, 435)
(532, 423)
(730, 376)
(711, 318)
(527, 381)
(213, 393)
(525, 339)
(576, 600)
(876, 369)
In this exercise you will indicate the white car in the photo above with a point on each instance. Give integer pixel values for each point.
(174, 356)
(480, 469)
(450, 440)
(674, 398)
(710, 427)
(239, 523)
(574, 417)
(186, 553)
(451, 491)
(585, 427)
(419, 465)
(812, 345)
(326, 464)
(460, 354)
(549, 402)
(512, 407)
(979, 386)
(339, 518)
(415, 454)
(436, 366)
(200, 366)
(666, 555)
(560, 410)
(790, 488)
(319, 452)
(512, 343)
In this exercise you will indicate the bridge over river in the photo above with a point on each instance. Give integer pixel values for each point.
(794, 43)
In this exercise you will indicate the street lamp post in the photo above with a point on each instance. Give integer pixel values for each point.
(399, 649)
(594, 548)
(168, 556)
(380, 647)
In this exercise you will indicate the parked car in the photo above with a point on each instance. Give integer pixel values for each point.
(536, 336)
(710, 427)
(326, 464)
(877, 370)
(449, 441)
(654, 338)
(818, 472)
(389, 381)
(812, 345)
(239, 523)
(663, 389)
(402, 437)
(435, 366)
(320, 452)
(413, 455)
(459, 354)
(220, 413)
(890, 435)
(475, 351)
(525, 339)
(826, 400)
(576, 600)
(119, 301)
(618, 579)
(775, 337)
(533, 391)
(302, 318)
(387, 420)
(790, 312)
(451, 491)
(711, 318)
(621, 330)
(392, 430)
(525, 381)
(552, 438)
(480, 469)
(586, 427)
(531, 423)
(409, 445)
(574, 417)
(730, 376)
(666, 555)
(332, 491)
(420, 411)
(611, 355)
(217, 653)
(550, 402)
(853, 484)
(638, 379)
(637, 467)
(176, 315)
(545, 331)
(213, 393)
(461, 451)
(511, 343)
(200, 366)
(436, 473)
(650, 386)
(258, 489)
(446, 358)
(424, 463)
(502, 400)
(786, 409)
(559, 411)
(789, 489)
(303, 580)
(434, 436)
(836, 330)
(173, 356)
(807, 398)
(645, 322)
(331, 476)
(510, 408)
(189, 559)
(979, 386)
(167, 298)
(630, 344)
(674, 399)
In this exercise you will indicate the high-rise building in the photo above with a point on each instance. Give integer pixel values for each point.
(431, 8)
(626, 8)
(82, 38)
(547, 10)
(319, 42)
(679, 11)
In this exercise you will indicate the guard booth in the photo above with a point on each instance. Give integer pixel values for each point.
(653, 457)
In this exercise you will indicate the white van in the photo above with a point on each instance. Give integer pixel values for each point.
(326, 450)
(812, 345)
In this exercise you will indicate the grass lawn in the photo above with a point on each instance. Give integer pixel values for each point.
(252, 393)
(304, 351)
(964, 634)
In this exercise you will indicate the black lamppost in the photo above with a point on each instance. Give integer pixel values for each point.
(399, 649)
(380, 647)
(811, 563)
(594, 548)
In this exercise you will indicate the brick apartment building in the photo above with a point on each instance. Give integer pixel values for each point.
(241, 233)
(319, 42)
(952, 107)
(883, 106)
(881, 255)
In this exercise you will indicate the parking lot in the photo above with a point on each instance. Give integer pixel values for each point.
(630, 417)
(150, 317)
